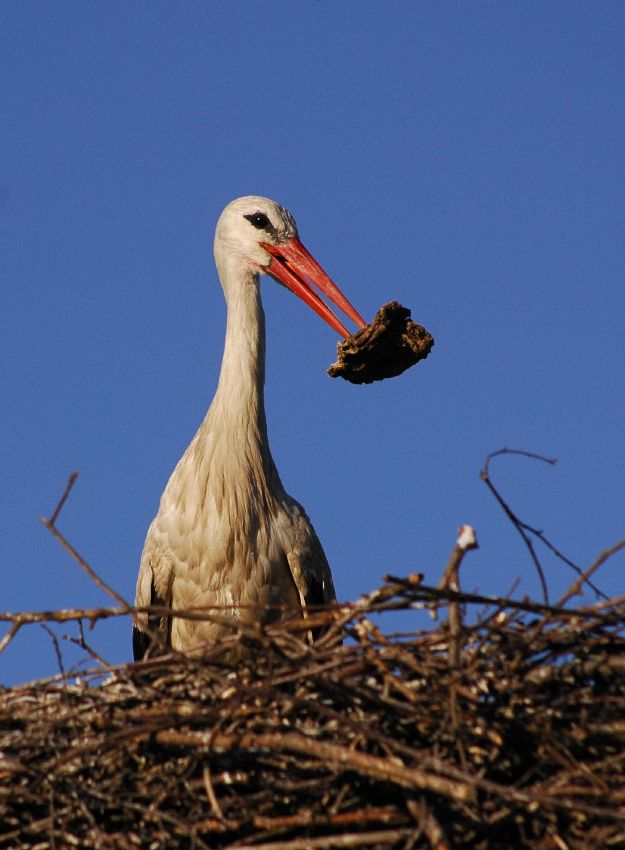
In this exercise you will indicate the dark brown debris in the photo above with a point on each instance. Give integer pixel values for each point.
(388, 346)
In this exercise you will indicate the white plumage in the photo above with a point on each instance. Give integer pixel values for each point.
(227, 538)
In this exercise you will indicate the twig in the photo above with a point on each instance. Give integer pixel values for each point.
(64, 615)
(592, 569)
(386, 837)
(82, 643)
(8, 637)
(83, 564)
(523, 527)
(429, 824)
(51, 526)
(210, 793)
(426, 593)
(518, 524)
(450, 580)
(68, 489)
(467, 540)
(55, 644)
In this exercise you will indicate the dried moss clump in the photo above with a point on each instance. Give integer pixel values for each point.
(388, 346)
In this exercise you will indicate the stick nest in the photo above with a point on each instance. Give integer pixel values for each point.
(386, 347)
(360, 740)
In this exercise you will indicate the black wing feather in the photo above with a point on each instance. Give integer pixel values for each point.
(144, 644)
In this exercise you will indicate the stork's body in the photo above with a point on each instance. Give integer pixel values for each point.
(227, 538)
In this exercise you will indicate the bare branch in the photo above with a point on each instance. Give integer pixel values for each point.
(50, 525)
(518, 524)
(8, 637)
(57, 648)
(68, 489)
(592, 569)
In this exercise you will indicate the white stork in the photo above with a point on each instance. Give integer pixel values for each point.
(227, 538)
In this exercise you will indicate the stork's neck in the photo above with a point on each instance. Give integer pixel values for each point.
(240, 391)
(237, 412)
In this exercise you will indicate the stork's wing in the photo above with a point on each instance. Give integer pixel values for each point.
(309, 566)
(151, 634)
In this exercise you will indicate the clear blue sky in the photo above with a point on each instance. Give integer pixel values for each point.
(464, 158)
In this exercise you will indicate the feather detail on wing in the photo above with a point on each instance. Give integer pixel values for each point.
(310, 568)
(151, 634)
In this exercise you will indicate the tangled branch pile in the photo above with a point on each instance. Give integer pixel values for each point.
(513, 740)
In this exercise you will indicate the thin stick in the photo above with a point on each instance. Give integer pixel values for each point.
(68, 489)
(6, 640)
(428, 823)
(95, 578)
(57, 648)
(603, 557)
(523, 527)
(82, 643)
(520, 527)
(467, 539)
(50, 525)
(387, 837)
(210, 793)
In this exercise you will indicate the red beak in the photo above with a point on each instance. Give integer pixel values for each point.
(292, 265)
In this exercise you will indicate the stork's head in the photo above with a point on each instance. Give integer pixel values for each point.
(256, 235)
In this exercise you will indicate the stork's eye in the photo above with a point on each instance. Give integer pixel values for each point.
(259, 220)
